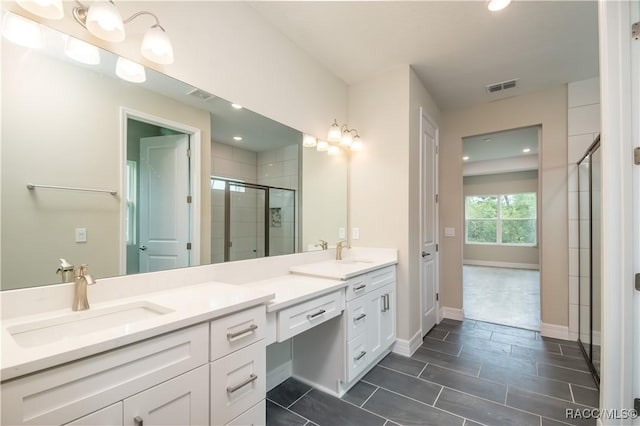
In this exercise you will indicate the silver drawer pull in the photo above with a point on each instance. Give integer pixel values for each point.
(360, 287)
(252, 378)
(249, 329)
(360, 356)
(361, 316)
(317, 314)
(137, 421)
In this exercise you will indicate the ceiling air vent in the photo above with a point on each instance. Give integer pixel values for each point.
(201, 94)
(503, 85)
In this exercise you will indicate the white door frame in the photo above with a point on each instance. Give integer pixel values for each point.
(425, 116)
(196, 152)
(619, 95)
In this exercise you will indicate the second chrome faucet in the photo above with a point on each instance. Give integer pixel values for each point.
(339, 246)
(82, 280)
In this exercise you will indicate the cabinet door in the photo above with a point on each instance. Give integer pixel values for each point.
(375, 305)
(109, 416)
(388, 317)
(180, 401)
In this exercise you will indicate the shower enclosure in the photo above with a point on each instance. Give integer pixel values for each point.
(589, 214)
(250, 221)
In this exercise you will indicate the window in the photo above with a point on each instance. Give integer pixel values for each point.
(508, 219)
(219, 184)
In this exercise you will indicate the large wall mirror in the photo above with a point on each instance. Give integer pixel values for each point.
(187, 178)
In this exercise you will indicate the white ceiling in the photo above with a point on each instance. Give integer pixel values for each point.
(455, 47)
(501, 145)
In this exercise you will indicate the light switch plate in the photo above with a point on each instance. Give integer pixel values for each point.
(355, 234)
(449, 232)
(342, 233)
(81, 235)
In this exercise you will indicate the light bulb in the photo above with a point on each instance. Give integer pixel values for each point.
(357, 144)
(157, 47)
(48, 9)
(104, 21)
(465, 158)
(333, 150)
(334, 132)
(346, 139)
(322, 146)
(81, 51)
(308, 141)
(496, 5)
(130, 71)
(22, 31)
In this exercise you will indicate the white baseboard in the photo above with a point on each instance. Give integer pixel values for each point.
(511, 265)
(279, 375)
(408, 347)
(452, 313)
(555, 331)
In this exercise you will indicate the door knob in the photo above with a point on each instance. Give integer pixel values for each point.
(425, 254)
(143, 248)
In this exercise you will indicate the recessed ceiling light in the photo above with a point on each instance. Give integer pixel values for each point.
(465, 158)
(496, 5)
(487, 139)
(237, 138)
(236, 106)
(526, 150)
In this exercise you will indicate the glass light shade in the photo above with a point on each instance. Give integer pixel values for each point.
(81, 51)
(496, 5)
(48, 9)
(335, 133)
(346, 139)
(333, 150)
(22, 31)
(322, 146)
(308, 141)
(157, 47)
(104, 21)
(357, 145)
(130, 71)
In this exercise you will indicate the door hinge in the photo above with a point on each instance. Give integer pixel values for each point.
(189, 152)
(638, 282)
(636, 156)
(437, 296)
(635, 30)
(437, 149)
(189, 199)
(436, 247)
(188, 246)
(437, 198)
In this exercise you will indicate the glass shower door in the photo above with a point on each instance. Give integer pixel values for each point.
(246, 222)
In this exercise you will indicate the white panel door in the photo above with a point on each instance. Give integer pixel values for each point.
(428, 222)
(180, 401)
(164, 211)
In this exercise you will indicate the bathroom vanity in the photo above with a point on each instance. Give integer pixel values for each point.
(196, 353)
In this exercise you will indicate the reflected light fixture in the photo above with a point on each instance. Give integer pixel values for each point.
(322, 146)
(22, 31)
(81, 51)
(496, 5)
(526, 150)
(130, 71)
(333, 150)
(356, 145)
(237, 138)
(103, 20)
(465, 158)
(236, 106)
(49, 9)
(309, 141)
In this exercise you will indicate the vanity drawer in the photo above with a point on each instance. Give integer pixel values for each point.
(357, 318)
(70, 391)
(233, 332)
(357, 286)
(381, 277)
(301, 317)
(357, 356)
(256, 416)
(237, 383)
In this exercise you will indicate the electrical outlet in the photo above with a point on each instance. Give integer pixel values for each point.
(355, 233)
(342, 233)
(81, 235)
(449, 232)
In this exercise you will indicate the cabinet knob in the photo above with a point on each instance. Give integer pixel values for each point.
(137, 421)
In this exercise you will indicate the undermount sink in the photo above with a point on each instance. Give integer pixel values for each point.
(353, 261)
(73, 324)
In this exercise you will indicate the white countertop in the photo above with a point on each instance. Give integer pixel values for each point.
(355, 264)
(188, 306)
(293, 289)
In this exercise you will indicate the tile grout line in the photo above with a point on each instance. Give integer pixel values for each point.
(369, 397)
(573, 398)
(506, 394)
(435, 401)
(423, 368)
(305, 394)
(291, 411)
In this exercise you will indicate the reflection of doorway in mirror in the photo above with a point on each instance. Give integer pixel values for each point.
(157, 215)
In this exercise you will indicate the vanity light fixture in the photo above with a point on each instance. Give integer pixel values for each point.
(236, 106)
(526, 150)
(333, 150)
(48, 9)
(81, 51)
(322, 146)
(22, 31)
(344, 135)
(496, 5)
(130, 71)
(309, 141)
(356, 145)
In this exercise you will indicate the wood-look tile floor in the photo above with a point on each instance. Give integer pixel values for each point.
(465, 373)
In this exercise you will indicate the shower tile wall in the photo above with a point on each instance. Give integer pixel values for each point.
(583, 127)
(279, 168)
(234, 163)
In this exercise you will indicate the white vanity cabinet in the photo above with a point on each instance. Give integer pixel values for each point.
(209, 373)
(355, 342)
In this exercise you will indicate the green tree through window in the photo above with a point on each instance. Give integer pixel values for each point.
(501, 219)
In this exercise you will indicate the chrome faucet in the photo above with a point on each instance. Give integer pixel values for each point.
(339, 246)
(323, 244)
(80, 302)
